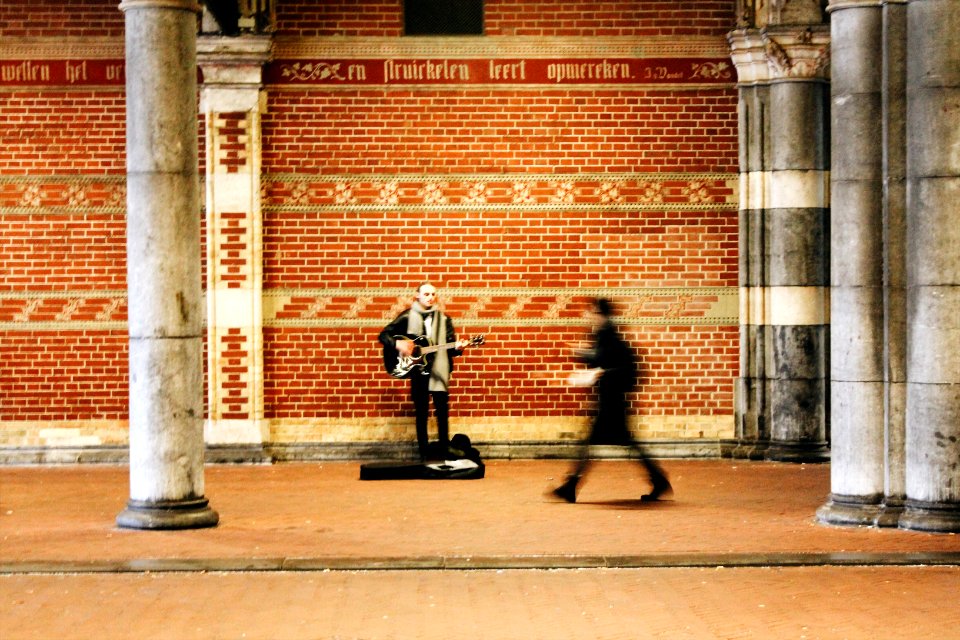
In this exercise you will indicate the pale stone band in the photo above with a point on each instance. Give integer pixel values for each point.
(784, 189)
(784, 306)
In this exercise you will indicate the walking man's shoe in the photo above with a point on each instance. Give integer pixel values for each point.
(567, 491)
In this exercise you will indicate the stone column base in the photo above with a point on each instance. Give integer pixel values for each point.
(938, 517)
(168, 514)
(890, 512)
(850, 511)
(781, 451)
(743, 449)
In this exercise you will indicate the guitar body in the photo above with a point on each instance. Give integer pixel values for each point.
(421, 360)
(400, 366)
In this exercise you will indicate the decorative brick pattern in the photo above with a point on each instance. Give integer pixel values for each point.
(232, 141)
(232, 231)
(689, 192)
(69, 309)
(233, 370)
(233, 250)
(502, 307)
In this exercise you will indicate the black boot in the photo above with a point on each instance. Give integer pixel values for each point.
(661, 487)
(568, 490)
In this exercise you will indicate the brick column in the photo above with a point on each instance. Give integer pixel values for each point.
(933, 267)
(163, 269)
(232, 100)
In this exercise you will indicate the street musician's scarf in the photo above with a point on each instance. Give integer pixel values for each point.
(440, 372)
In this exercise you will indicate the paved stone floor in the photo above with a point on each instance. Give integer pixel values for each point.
(310, 551)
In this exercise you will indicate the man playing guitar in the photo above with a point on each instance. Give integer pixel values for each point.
(425, 323)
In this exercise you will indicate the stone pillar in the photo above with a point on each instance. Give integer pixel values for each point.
(751, 408)
(232, 100)
(163, 269)
(856, 265)
(933, 267)
(784, 200)
(894, 256)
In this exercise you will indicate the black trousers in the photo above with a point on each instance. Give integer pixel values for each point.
(653, 471)
(610, 427)
(420, 394)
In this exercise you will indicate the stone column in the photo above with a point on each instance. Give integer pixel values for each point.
(856, 265)
(232, 100)
(751, 408)
(894, 255)
(784, 200)
(796, 309)
(933, 266)
(163, 269)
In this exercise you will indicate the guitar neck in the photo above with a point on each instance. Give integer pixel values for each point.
(438, 347)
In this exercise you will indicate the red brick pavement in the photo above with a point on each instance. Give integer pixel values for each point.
(323, 511)
(876, 603)
(309, 516)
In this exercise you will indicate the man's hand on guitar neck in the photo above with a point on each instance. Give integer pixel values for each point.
(462, 344)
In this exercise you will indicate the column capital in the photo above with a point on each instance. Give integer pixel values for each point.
(781, 53)
(797, 52)
(837, 5)
(232, 70)
(233, 60)
(746, 51)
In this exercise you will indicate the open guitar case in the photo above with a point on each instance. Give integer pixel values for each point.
(458, 461)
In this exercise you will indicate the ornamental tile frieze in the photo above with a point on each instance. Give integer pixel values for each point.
(60, 310)
(77, 195)
(503, 306)
(107, 310)
(478, 192)
(66, 194)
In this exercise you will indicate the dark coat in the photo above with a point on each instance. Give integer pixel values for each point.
(398, 327)
(619, 378)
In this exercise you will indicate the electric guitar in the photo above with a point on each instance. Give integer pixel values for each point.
(420, 361)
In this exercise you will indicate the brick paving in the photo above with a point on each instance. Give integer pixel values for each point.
(310, 551)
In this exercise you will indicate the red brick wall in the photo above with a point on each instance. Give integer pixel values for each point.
(304, 249)
(78, 132)
(455, 137)
(545, 18)
(512, 130)
(55, 144)
(61, 19)
(60, 374)
(620, 18)
(330, 373)
(63, 255)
